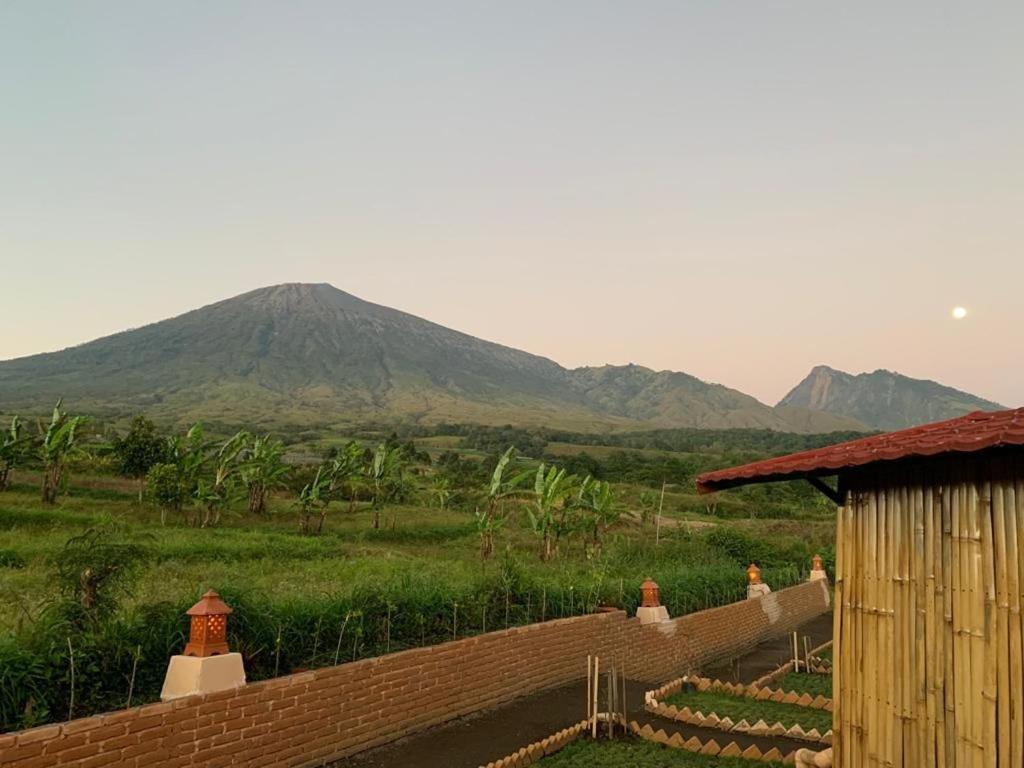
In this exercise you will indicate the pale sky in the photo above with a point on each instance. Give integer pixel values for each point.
(739, 190)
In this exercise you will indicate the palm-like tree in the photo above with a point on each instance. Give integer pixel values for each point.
(346, 472)
(13, 447)
(549, 513)
(59, 443)
(314, 498)
(600, 508)
(490, 520)
(385, 473)
(262, 469)
(215, 495)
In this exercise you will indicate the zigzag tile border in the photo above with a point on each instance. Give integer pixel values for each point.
(534, 752)
(711, 747)
(785, 669)
(653, 703)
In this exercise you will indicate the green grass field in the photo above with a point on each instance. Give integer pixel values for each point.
(634, 753)
(305, 601)
(801, 682)
(738, 708)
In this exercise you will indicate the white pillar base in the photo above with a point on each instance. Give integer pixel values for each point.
(817, 576)
(189, 675)
(757, 590)
(654, 615)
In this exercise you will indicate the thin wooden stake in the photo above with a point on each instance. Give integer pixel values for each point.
(597, 684)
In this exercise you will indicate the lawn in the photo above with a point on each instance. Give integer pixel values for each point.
(635, 753)
(738, 708)
(801, 682)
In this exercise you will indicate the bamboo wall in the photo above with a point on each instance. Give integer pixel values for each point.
(928, 635)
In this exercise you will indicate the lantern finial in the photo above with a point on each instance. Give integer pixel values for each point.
(754, 574)
(208, 633)
(651, 593)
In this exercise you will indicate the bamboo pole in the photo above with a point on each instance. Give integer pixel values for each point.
(924, 750)
(961, 681)
(933, 608)
(948, 633)
(979, 710)
(869, 705)
(1014, 511)
(597, 681)
(1002, 624)
(839, 739)
(589, 683)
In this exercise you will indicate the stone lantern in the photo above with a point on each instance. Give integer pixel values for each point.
(207, 665)
(651, 611)
(755, 587)
(208, 635)
(817, 569)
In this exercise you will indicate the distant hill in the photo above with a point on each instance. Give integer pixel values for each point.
(883, 399)
(310, 354)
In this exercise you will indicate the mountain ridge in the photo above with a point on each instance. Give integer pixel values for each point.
(311, 354)
(882, 399)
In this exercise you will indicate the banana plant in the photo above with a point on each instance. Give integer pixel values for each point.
(13, 448)
(214, 496)
(490, 520)
(262, 470)
(550, 510)
(314, 498)
(600, 509)
(385, 473)
(58, 445)
(346, 472)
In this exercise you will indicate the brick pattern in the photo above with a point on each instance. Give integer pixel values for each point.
(315, 717)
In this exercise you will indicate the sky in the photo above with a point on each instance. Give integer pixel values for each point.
(738, 190)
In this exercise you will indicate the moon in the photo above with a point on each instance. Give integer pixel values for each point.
(959, 313)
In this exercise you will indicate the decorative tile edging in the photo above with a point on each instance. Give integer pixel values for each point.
(653, 703)
(538, 750)
(711, 747)
(785, 669)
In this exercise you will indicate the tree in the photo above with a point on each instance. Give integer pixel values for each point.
(215, 495)
(347, 472)
(59, 443)
(441, 491)
(139, 450)
(387, 481)
(549, 512)
(600, 508)
(94, 569)
(499, 489)
(314, 498)
(165, 488)
(263, 469)
(188, 454)
(14, 446)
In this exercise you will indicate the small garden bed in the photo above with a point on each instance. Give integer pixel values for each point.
(738, 708)
(636, 753)
(802, 682)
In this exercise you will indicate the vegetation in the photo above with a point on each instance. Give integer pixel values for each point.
(96, 580)
(637, 753)
(738, 708)
(58, 445)
(13, 447)
(802, 682)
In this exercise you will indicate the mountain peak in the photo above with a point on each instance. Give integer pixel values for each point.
(882, 399)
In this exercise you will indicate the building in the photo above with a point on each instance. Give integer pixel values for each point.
(928, 654)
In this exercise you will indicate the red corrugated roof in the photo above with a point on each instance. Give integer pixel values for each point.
(973, 432)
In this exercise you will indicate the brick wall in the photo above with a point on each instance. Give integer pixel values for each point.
(313, 717)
